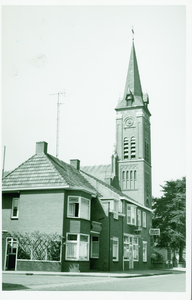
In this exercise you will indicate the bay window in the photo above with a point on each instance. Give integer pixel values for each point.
(78, 207)
(77, 247)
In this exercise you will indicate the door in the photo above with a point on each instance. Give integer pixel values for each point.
(11, 254)
(131, 262)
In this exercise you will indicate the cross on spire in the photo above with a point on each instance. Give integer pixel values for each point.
(132, 29)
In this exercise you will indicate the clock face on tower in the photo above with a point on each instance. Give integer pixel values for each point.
(129, 122)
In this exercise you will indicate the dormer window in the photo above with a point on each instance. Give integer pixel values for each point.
(129, 98)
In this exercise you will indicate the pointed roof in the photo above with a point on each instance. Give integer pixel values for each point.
(45, 171)
(133, 83)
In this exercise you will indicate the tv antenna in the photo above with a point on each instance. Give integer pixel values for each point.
(58, 118)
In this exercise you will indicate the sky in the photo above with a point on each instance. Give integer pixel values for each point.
(84, 50)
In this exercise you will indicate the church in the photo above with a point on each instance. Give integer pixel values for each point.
(63, 217)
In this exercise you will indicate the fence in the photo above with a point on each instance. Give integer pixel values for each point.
(38, 246)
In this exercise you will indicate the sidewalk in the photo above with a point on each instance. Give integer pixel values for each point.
(119, 274)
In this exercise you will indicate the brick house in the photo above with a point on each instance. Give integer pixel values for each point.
(63, 217)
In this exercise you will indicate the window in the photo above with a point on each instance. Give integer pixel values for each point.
(144, 251)
(115, 249)
(135, 249)
(135, 179)
(133, 147)
(15, 208)
(77, 247)
(78, 207)
(126, 247)
(126, 148)
(132, 241)
(95, 247)
(131, 214)
(144, 219)
(138, 217)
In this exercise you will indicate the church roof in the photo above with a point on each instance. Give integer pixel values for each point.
(133, 83)
(99, 171)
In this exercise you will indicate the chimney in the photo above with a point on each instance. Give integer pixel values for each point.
(75, 163)
(41, 147)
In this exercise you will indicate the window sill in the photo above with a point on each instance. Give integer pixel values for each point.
(78, 218)
(14, 218)
(77, 260)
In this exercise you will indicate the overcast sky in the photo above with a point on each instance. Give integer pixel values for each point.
(85, 50)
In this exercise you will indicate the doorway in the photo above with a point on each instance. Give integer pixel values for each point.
(11, 254)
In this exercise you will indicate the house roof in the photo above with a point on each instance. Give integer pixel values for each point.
(45, 171)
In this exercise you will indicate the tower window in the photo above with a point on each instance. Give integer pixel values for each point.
(133, 147)
(126, 148)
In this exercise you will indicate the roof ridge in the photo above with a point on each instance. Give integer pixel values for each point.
(52, 160)
(18, 166)
(60, 163)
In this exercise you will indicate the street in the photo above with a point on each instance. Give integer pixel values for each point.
(159, 283)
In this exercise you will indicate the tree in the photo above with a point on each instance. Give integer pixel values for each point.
(169, 214)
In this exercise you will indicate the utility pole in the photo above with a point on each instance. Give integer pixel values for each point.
(58, 118)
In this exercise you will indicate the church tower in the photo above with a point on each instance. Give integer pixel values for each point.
(133, 138)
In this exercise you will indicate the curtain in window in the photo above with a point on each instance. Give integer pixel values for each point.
(15, 207)
(73, 205)
(126, 247)
(84, 208)
(83, 247)
(115, 249)
(72, 250)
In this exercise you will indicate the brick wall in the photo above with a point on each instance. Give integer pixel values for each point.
(38, 211)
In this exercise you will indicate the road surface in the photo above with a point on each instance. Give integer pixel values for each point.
(160, 283)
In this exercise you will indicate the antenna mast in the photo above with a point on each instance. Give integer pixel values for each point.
(58, 119)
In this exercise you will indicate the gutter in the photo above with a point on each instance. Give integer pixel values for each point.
(67, 187)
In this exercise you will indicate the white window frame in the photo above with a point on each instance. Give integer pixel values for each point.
(92, 243)
(130, 241)
(144, 251)
(144, 219)
(139, 218)
(116, 240)
(131, 215)
(77, 242)
(80, 211)
(13, 206)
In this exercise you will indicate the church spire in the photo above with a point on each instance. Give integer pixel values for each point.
(133, 83)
